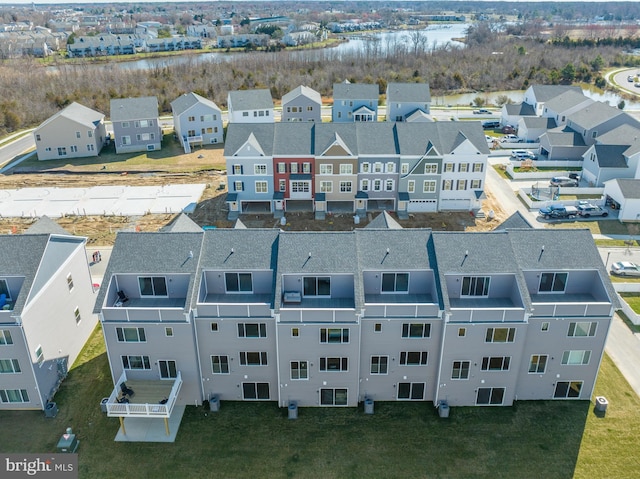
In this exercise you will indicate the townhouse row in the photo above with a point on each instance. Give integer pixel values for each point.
(355, 167)
(332, 318)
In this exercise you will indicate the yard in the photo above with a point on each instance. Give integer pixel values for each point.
(559, 439)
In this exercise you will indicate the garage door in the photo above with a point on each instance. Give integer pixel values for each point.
(422, 206)
(459, 205)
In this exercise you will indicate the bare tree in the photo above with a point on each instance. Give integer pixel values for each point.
(418, 40)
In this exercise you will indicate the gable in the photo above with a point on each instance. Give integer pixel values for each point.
(337, 148)
(251, 147)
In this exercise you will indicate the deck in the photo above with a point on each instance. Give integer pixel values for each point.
(150, 399)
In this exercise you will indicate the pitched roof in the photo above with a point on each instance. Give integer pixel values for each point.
(627, 135)
(355, 91)
(408, 92)
(595, 114)
(611, 156)
(519, 109)
(293, 139)
(261, 134)
(376, 138)
(46, 225)
(78, 113)
(566, 100)
(127, 109)
(516, 220)
(259, 99)
(563, 138)
(417, 138)
(181, 224)
(327, 134)
(629, 187)
(545, 93)
(302, 91)
(187, 100)
(539, 122)
(385, 221)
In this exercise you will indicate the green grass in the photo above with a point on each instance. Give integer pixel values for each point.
(559, 439)
(633, 300)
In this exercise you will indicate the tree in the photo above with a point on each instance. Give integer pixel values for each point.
(621, 105)
(597, 64)
(479, 101)
(418, 41)
(568, 73)
(502, 100)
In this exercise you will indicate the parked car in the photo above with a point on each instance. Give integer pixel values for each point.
(558, 212)
(625, 268)
(523, 155)
(591, 210)
(507, 129)
(630, 78)
(563, 181)
(490, 124)
(481, 111)
(510, 139)
(574, 176)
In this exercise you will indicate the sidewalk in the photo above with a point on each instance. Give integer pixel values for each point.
(623, 347)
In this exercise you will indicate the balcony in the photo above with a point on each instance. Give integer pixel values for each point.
(569, 305)
(150, 399)
(400, 305)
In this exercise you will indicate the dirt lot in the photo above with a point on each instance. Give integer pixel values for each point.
(206, 166)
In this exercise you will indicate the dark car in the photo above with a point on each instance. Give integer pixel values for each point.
(508, 129)
(563, 181)
(490, 124)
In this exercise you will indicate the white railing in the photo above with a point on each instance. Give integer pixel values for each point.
(114, 408)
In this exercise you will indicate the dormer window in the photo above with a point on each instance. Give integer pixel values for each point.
(553, 282)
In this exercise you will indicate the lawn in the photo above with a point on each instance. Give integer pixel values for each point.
(559, 439)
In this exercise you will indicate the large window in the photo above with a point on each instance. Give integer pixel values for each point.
(237, 169)
(252, 330)
(475, 286)
(395, 282)
(346, 187)
(168, 369)
(411, 391)
(9, 366)
(4, 289)
(256, 391)
(259, 169)
(300, 187)
(574, 358)
(538, 363)
(460, 370)
(334, 364)
(136, 362)
(416, 330)
(253, 358)
(430, 168)
(238, 282)
(299, 370)
(152, 286)
(379, 364)
(326, 186)
(413, 358)
(411, 186)
(490, 396)
(220, 364)
(477, 167)
(429, 186)
(582, 329)
(500, 335)
(262, 187)
(496, 363)
(5, 337)
(14, 395)
(552, 282)
(334, 335)
(326, 169)
(567, 389)
(333, 397)
(131, 335)
(346, 169)
(317, 286)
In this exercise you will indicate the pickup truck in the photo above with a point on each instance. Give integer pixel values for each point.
(557, 212)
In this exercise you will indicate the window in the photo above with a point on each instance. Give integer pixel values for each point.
(447, 185)
(538, 363)
(476, 184)
(377, 328)
(416, 330)
(73, 148)
(413, 358)
(299, 370)
(404, 168)
(552, 282)
(126, 140)
(567, 389)
(462, 332)
(333, 397)
(395, 282)
(326, 169)
(76, 314)
(582, 329)
(220, 364)
(461, 184)
(295, 332)
(214, 327)
(259, 169)
(261, 113)
(136, 362)
(544, 326)
(14, 395)
(39, 355)
(238, 282)
(317, 286)
(460, 370)
(306, 168)
(245, 113)
(253, 358)
(388, 185)
(345, 187)
(282, 167)
(5, 337)
(430, 168)
(429, 186)
(78, 135)
(334, 335)
(575, 358)
(411, 391)
(490, 396)
(463, 167)
(126, 124)
(237, 169)
(326, 186)
(364, 185)
(282, 185)
(379, 364)
(38, 138)
(411, 186)
(391, 167)
(238, 186)
(259, 391)
(207, 118)
(300, 187)
(9, 366)
(62, 151)
(364, 168)
(191, 118)
(168, 369)
(90, 147)
(334, 364)
(168, 332)
(152, 286)
(143, 137)
(144, 123)
(346, 169)
(377, 185)
(475, 286)
(477, 167)
(70, 282)
(500, 335)
(293, 168)
(252, 330)
(448, 167)
(496, 363)
(377, 167)
(261, 187)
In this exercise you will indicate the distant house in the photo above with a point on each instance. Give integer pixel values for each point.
(250, 106)
(615, 154)
(596, 119)
(105, 44)
(624, 194)
(405, 100)
(564, 105)
(562, 144)
(354, 102)
(530, 128)
(196, 120)
(302, 104)
(136, 126)
(46, 303)
(538, 95)
(75, 132)
(512, 113)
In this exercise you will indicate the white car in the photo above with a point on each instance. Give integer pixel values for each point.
(510, 139)
(523, 155)
(625, 268)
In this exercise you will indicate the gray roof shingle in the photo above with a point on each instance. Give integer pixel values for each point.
(187, 100)
(259, 99)
(128, 109)
(408, 92)
(355, 91)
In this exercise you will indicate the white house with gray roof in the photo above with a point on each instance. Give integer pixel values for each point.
(408, 100)
(302, 104)
(250, 106)
(615, 154)
(354, 102)
(596, 119)
(538, 95)
(74, 132)
(196, 120)
(46, 302)
(530, 128)
(624, 194)
(562, 106)
(136, 125)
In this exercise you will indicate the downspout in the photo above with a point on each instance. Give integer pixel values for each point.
(445, 321)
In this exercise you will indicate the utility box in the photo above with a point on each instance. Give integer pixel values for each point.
(68, 442)
(103, 404)
(214, 403)
(601, 404)
(293, 410)
(51, 409)
(443, 409)
(368, 406)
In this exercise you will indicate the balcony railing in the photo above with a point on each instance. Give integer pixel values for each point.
(150, 399)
